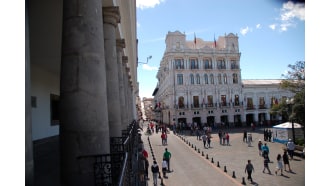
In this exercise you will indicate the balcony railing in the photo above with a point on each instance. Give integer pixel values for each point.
(117, 168)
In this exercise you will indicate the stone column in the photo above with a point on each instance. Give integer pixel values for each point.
(128, 95)
(29, 163)
(125, 89)
(84, 129)
(111, 18)
(120, 45)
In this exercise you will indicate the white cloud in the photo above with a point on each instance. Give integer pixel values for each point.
(142, 4)
(290, 12)
(245, 30)
(147, 67)
(272, 26)
(258, 26)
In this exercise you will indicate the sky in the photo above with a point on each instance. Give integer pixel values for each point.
(271, 33)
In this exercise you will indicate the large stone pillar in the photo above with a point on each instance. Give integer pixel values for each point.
(120, 45)
(126, 87)
(29, 163)
(84, 128)
(111, 18)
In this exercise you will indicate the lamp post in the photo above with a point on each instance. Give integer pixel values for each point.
(290, 102)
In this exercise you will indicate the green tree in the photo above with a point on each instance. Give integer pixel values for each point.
(294, 81)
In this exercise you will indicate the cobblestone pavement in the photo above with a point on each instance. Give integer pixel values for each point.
(193, 164)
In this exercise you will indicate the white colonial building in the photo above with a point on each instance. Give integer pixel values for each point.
(200, 81)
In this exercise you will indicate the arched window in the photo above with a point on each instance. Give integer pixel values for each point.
(206, 79)
(219, 79)
(212, 79)
(198, 80)
(193, 63)
(235, 78)
(192, 79)
(207, 63)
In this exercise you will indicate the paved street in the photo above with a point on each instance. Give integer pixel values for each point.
(191, 167)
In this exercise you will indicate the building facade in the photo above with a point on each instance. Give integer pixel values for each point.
(81, 81)
(200, 82)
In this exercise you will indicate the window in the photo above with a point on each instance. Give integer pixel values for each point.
(179, 64)
(196, 101)
(212, 79)
(198, 80)
(206, 79)
(180, 79)
(223, 100)
(233, 64)
(54, 109)
(192, 79)
(207, 63)
(221, 64)
(225, 78)
(219, 79)
(236, 101)
(210, 101)
(261, 102)
(193, 63)
(235, 78)
(181, 102)
(249, 103)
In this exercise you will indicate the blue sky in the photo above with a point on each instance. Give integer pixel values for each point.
(271, 33)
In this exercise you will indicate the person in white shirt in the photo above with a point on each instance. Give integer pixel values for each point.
(291, 146)
(164, 168)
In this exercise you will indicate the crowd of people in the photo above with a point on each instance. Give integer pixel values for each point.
(204, 134)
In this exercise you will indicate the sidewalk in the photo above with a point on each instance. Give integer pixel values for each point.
(234, 157)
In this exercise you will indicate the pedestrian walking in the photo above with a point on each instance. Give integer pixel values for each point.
(286, 162)
(227, 138)
(245, 136)
(204, 138)
(279, 164)
(163, 136)
(220, 136)
(164, 167)
(259, 147)
(265, 151)
(248, 169)
(209, 140)
(291, 146)
(146, 166)
(266, 161)
(155, 172)
(167, 156)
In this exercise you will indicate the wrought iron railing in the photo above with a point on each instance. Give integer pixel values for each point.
(117, 168)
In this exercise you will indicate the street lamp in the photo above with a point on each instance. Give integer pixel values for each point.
(147, 60)
(290, 102)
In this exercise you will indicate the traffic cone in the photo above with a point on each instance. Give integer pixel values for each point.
(234, 176)
(243, 181)
(225, 169)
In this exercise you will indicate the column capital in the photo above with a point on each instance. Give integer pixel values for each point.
(120, 43)
(111, 15)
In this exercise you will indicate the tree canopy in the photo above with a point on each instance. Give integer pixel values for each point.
(295, 82)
